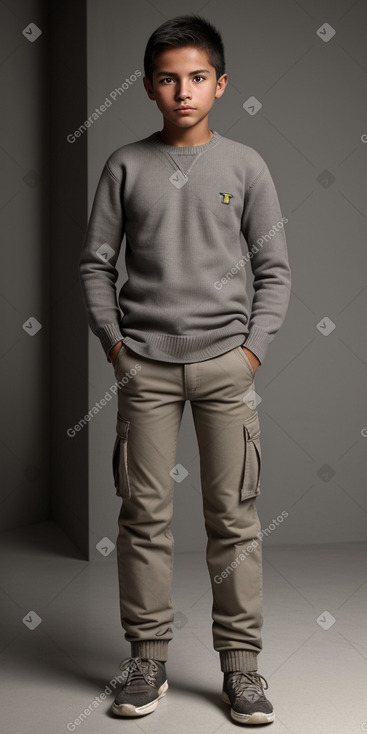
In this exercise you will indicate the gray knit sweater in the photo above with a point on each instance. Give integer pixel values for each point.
(182, 210)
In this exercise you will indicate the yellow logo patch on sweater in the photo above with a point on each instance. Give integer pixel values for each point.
(226, 198)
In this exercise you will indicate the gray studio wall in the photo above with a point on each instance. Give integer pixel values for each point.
(69, 488)
(44, 345)
(312, 386)
(25, 365)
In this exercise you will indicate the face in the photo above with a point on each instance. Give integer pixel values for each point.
(184, 86)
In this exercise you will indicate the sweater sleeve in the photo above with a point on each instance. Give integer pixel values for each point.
(97, 271)
(263, 228)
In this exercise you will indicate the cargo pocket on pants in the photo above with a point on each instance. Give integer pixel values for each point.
(252, 464)
(119, 458)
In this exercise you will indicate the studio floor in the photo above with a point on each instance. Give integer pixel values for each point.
(62, 642)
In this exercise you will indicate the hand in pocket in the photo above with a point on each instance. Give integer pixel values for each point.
(254, 361)
(115, 352)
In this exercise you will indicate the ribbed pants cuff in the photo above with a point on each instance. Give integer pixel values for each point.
(156, 649)
(243, 660)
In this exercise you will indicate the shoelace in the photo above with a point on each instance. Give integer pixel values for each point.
(140, 670)
(253, 683)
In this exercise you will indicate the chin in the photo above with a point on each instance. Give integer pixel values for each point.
(184, 123)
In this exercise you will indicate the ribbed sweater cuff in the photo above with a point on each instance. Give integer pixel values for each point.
(109, 335)
(257, 341)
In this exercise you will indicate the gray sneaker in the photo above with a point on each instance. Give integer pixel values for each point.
(245, 693)
(145, 682)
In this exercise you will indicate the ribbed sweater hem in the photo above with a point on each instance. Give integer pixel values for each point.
(186, 348)
(183, 349)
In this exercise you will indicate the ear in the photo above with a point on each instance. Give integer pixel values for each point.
(148, 87)
(221, 85)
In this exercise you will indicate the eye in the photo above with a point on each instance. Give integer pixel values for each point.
(200, 77)
(162, 81)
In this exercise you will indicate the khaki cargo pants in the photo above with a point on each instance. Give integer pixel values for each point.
(151, 400)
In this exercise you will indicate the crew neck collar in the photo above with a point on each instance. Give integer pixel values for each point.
(185, 149)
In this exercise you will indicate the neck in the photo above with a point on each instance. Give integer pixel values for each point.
(185, 138)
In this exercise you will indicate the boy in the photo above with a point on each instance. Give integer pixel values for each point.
(182, 196)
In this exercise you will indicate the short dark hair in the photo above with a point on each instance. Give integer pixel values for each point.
(185, 30)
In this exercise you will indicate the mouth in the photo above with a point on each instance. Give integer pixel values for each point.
(184, 109)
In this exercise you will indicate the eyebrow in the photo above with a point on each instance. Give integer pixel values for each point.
(192, 73)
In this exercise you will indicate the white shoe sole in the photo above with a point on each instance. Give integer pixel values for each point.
(257, 717)
(128, 709)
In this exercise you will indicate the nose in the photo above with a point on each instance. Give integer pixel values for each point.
(182, 91)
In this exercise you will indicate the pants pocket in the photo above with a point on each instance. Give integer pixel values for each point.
(245, 358)
(119, 458)
(250, 486)
(122, 349)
